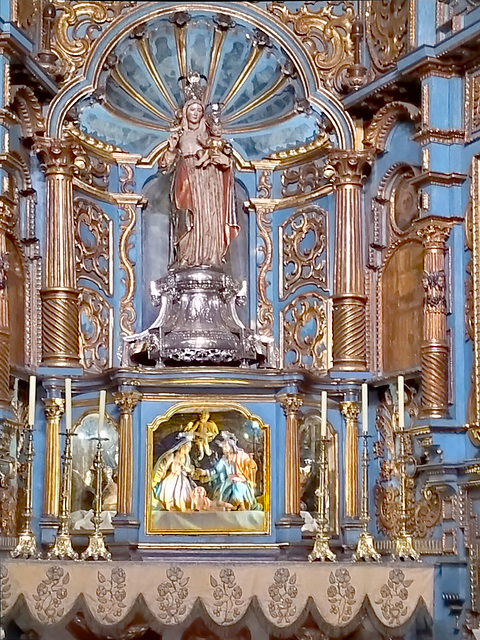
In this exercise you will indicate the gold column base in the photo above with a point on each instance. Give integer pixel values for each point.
(96, 549)
(365, 549)
(26, 546)
(349, 346)
(321, 549)
(62, 548)
(404, 549)
(60, 327)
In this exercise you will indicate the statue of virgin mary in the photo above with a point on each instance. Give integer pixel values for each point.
(202, 188)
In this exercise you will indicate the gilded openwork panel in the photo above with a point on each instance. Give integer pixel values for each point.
(93, 244)
(423, 504)
(305, 333)
(207, 469)
(303, 250)
(96, 331)
(402, 307)
(83, 473)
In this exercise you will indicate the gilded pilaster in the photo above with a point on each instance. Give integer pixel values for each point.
(350, 411)
(290, 405)
(59, 294)
(126, 402)
(6, 218)
(348, 171)
(54, 408)
(434, 350)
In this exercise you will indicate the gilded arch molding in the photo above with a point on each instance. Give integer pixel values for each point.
(95, 57)
(384, 121)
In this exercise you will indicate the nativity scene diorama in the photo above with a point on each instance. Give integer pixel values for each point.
(209, 471)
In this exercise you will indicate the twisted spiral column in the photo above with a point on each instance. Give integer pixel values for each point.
(59, 293)
(348, 171)
(434, 349)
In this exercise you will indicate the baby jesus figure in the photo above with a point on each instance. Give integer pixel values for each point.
(204, 431)
(215, 150)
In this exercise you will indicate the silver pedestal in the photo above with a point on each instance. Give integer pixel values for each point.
(197, 323)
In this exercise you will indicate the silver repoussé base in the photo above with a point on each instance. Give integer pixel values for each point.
(197, 322)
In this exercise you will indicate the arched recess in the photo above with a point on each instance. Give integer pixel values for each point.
(99, 57)
(401, 288)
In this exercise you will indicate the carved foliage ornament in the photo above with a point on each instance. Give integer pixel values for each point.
(304, 333)
(387, 31)
(423, 512)
(298, 181)
(79, 25)
(326, 36)
(93, 244)
(303, 250)
(95, 330)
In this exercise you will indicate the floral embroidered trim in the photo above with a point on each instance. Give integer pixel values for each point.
(341, 594)
(282, 592)
(227, 595)
(50, 593)
(394, 595)
(172, 595)
(111, 594)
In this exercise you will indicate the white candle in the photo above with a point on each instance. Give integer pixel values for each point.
(365, 407)
(31, 400)
(401, 403)
(68, 405)
(323, 424)
(101, 410)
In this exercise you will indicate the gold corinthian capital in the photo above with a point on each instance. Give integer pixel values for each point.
(350, 411)
(126, 401)
(290, 405)
(59, 294)
(348, 170)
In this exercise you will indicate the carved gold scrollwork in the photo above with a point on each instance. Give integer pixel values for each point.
(79, 25)
(303, 250)
(93, 244)
(383, 121)
(303, 179)
(96, 317)
(265, 307)
(304, 333)
(326, 36)
(127, 312)
(387, 31)
(424, 505)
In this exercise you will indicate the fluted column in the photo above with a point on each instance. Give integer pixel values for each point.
(126, 402)
(348, 171)
(6, 219)
(434, 348)
(54, 408)
(350, 411)
(59, 294)
(290, 405)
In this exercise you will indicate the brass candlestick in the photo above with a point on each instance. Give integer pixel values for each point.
(403, 542)
(62, 547)
(96, 549)
(365, 547)
(321, 548)
(27, 543)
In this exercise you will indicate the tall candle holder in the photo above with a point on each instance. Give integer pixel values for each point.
(62, 547)
(27, 543)
(365, 546)
(404, 548)
(96, 549)
(321, 548)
